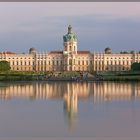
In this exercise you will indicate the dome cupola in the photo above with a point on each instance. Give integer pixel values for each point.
(32, 51)
(70, 36)
(108, 51)
(70, 42)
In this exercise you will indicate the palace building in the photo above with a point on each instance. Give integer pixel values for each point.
(70, 59)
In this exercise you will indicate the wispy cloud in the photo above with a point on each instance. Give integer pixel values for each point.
(42, 25)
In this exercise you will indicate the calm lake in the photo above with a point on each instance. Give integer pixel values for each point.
(70, 109)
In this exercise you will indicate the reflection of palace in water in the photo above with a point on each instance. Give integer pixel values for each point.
(70, 93)
(101, 91)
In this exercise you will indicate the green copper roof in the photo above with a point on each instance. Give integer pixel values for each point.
(70, 36)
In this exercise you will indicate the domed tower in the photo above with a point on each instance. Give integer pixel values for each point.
(70, 42)
(108, 51)
(32, 51)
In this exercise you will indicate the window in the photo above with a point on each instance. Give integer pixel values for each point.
(95, 62)
(83, 62)
(119, 62)
(107, 62)
(57, 62)
(70, 61)
(91, 62)
(74, 61)
(79, 62)
(70, 48)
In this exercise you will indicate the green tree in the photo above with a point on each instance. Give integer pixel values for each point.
(132, 52)
(4, 66)
(135, 67)
(123, 52)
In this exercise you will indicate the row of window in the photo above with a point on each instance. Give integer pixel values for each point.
(113, 62)
(70, 63)
(21, 63)
(119, 68)
(22, 68)
(70, 48)
(84, 62)
(113, 58)
(96, 58)
(20, 58)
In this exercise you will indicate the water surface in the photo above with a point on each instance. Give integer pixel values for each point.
(70, 109)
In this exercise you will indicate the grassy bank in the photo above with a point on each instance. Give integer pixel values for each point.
(33, 76)
(121, 76)
(20, 76)
(58, 76)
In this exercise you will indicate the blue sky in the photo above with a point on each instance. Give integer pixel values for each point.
(42, 25)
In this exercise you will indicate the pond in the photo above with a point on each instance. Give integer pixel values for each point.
(70, 109)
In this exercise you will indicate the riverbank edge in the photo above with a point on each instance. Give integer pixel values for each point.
(72, 80)
(69, 76)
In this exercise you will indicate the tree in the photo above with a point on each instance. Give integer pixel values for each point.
(132, 52)
(4, 66)
(135, 67)
(123, 52)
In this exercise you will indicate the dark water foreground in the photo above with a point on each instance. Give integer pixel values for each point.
(70, 110)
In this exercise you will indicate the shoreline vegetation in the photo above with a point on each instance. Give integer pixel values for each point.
(70, 76)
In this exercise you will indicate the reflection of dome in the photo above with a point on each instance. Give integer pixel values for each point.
(108, 51)
(70, 36)
(32, 51)
(70, 108)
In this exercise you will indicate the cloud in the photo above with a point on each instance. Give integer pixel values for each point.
(42, 25)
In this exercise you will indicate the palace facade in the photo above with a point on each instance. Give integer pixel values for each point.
(70, 59)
